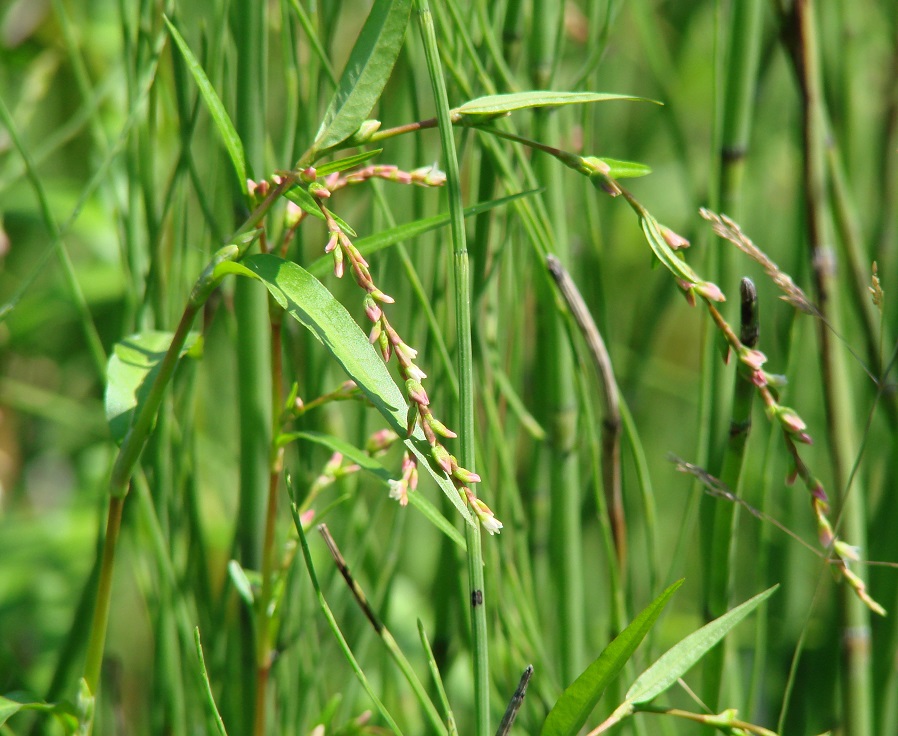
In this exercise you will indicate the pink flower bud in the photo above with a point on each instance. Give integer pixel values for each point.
(441, 457)
(319, 191)
(416, 392)
(372, 310)
(331, 243)
(381, 297)
(710, 291)
(465, 475)
(441, 429)
(380, 441)
(307, 176)
(674, 240)
(754, 359)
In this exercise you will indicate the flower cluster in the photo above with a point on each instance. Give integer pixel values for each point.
(385, 337)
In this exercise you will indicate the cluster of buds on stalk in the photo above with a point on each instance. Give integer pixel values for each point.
(385, 337)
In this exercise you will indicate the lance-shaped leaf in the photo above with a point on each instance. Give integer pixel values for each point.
(307, 300)
(367, 71)
(494, 105)
(130, 373)
(341, 164)
(389, 237)
(677, 661)
(223, 123)
(579, 699)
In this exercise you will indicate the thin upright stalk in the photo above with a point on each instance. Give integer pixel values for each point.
(566, 547)
(857, 686)
(464, 364)
(737, 92)
(253, 351)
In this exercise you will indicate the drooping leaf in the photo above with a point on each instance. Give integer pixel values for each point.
(308, 301)
(579, 699)
(367, 71)
(223, 123)
(372, 466)
(507, 103)
(674, 663)
(130, 373)
(386, 238)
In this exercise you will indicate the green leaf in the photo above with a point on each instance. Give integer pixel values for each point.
(8, 708)
(386, 238)
(674, 663)
(366, 72)
(241, 582)
(225, 127)
(676, 265)
(625, 169)
(348, 162)
(508, 103)
(372, 466)
(130, 373)
(579, 699)
(300, 195)
(308, 301)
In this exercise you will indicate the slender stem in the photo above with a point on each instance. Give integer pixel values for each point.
(722, 531)
(566, 548)
(119, 481)
(857, 686)
(253, 363)
(464, 363)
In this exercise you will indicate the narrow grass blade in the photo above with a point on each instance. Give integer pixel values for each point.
(335, 628)
(576, 703)
(386, 238)
(678, 659)
(346, 163)
(308, 301)
(219, 115)
(130, 373)
(366, 72)
(508, 103)
(207, 686)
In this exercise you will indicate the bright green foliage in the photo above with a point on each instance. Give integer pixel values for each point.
(579, 699)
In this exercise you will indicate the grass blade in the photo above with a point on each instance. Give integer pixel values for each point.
(219, 115)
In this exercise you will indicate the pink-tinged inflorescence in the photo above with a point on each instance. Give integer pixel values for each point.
(385, 337)
(751, 361)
